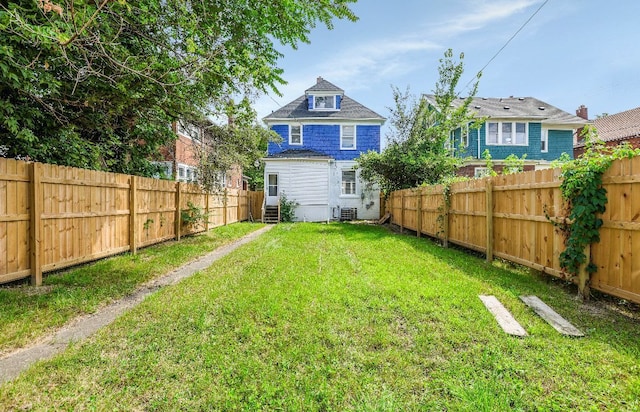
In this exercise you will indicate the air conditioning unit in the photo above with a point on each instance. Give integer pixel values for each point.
(349, 213)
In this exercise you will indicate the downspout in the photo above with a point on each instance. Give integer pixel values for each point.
(478, 131)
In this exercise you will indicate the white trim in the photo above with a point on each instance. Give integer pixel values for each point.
(355, 137)
(502, 139)
(322, 120)
(292, 126)
(464, 135)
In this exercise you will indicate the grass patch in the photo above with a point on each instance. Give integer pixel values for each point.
(28, 313)
(343, 317)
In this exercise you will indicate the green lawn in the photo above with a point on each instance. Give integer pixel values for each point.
(28, 313)
(343, 317)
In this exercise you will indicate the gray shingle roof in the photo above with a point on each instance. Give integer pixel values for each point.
(349, 109)
(299, 154)
(324, 86)
(518, 108)
(299, 109)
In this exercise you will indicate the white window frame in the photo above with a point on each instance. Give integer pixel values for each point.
(504, 140)
(544, 140)
(481, 171)
(353, 192)
(448, 143)
(291, 142)
(324, 96)
(464, 136)
(355, 137)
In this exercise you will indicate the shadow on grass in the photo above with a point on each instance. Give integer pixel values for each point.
(599, 320)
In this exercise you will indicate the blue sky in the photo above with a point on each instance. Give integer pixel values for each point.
(572, 52)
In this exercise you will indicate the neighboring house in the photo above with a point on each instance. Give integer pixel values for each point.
(182, 158)
(514, 125)
(613, 129)
(322, 133)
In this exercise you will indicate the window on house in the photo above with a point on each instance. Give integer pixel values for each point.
(348, 137)
(448, 143)
(295, 134)
(544, 141)
(325, 102)
(189, 173)
(507, 133)
(181, 173)
(481, 172)
(492, 133)
(348, 182)
(273, 185)
(464, 139)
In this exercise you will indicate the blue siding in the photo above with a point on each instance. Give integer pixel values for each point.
(310, 102)
(326, 139)
(338, 101)
(559, 141)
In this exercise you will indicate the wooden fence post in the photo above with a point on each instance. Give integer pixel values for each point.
(583, 275)
(238, 207)
(224, 207)
(35, 208)
(419, 212)
(489, 202)
(178, 218)
(206, 206)
(402, 212)
(133, 205)
(445, 220)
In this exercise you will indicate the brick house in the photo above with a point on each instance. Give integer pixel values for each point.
(612, 129)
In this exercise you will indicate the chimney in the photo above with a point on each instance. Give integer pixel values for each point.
(582, 112)
(320, 79)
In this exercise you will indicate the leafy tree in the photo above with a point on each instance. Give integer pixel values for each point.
(417, 152)
(240, 142)
(97, 83)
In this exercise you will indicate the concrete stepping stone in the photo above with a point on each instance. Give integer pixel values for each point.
(552, 317)
(506, 321)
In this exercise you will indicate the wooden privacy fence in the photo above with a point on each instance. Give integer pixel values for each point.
(506, 216)
(53, 217)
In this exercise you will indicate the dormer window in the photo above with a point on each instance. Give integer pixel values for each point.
(325, 102)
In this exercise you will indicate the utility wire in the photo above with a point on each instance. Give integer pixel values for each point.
(507, 43)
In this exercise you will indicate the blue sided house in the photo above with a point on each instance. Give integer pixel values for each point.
(513, 125)
(322, 133)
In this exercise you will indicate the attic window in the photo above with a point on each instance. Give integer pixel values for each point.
(325, 102)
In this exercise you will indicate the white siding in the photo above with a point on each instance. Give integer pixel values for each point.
(306, 182)
(316, 186)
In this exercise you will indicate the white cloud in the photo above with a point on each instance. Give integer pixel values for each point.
(479, 15)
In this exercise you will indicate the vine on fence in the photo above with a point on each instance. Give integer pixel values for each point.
(193, 216)
(586, 199)
(446, 204)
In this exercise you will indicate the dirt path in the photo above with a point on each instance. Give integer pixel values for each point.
(14, 363)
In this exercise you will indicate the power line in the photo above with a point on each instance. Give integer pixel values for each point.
(508, 41)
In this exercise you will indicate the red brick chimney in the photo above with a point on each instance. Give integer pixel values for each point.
(583, 112)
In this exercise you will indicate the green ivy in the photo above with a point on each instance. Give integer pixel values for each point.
(586, 199)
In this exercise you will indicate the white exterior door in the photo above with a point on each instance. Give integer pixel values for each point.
(272, 189)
